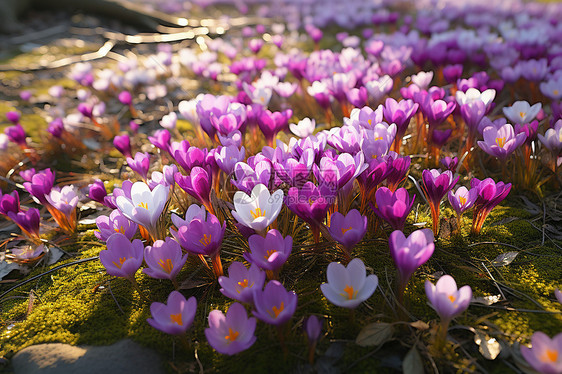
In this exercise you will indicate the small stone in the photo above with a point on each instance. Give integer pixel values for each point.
(123, 357)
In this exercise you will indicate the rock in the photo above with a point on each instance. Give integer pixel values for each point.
(123, 357)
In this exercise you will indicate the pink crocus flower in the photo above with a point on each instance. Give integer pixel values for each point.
(165, 259)
(231, 333)
(175, 317)
(242, 282)
(122, 258)
(545, 354)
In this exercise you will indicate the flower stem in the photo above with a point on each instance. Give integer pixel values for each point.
(137, 288)
(217, 265)
(441, 336)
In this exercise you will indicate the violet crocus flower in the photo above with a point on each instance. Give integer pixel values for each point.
(161, 139)
(270, 123)
(435, 187)
(13, 116)
(233, 333)
(274, 305)
(115, 222)
(175, 317)
(310, 203)
(446, 299)
(28, 174)
(197, 184)
(313, 328)
(437, 111)
(242, 282)
(410, 253)
(16, 134)
(28, 221)
(259, 209)
(522, 112)
(269, 252)
(545, 354)
(228, 156)
(64, 200)
(399, 113)
(122, 258)
(164, 259)
(558, 295)
(349, 286)
(140, 164)
(125, 98)
(462, 199)
(123, 144)
(552, 138)
(398, 170)
(40, 185)
(10, 203)
(56, 127)
(490, 194)
(393, 207)
(187, 156)
(501, 142)
(450, 163)
(193, 211)
(348, 230)
(145, 206)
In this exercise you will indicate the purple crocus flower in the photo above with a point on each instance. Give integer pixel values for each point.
(122, 258)
(64, 200)
(490, 194)
(310, 202)
(399, 113)
(269, 252)
(56, 127)
(348, 230)
(274, 305)
(197, 184)
(393, 207)
(446, 299)
(435, 187)
(10, 203)
(164, 259)
(462, 199)
(242, 282)
(115, 222)
(552, 138)
(545, 354)
(13, 116)
(228, 156)
(161, 139)
(28, 174)
(313, 328)
(437, 111)
(175, 317)
(125, 98)
(140, 164)
(41, 184)
(398, 170)
(16, 134)
(188, 157)
(201, 236)
(233, 333)
(410, 253)
(501, 142)
(28, 221)
(271, 123)
(450, 163)
(123, 144)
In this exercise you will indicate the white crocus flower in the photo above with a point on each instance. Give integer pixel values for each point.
(259, 209)
(145, 206)
(522, 112)
(304, 128)
(472, 94)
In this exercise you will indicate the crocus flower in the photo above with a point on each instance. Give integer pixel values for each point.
(29, 252)
(313, 328)
(97, 191)
(123, 144)
(410, 253)
(349, 286)
(13, 116)
(348, 230)
(228, 156)
(552, 138)
(310, 202)
(269, 252)
(501, 142)
(122, 258)
(62, 206)
(169, 121)
(56, 127)
(40, 185)
(274, 305)
(28, 221)
(444, 297)
(197, 184)
(16, 134)
(393, 207)
(545, 354)
(304, 128)
(145, 206)
(462, 199)
(558, 295)
(161, 139)
(450, 163)
(233, 333)
(10, 203)
(175, 317)
(259, 209)
(140, 164)
(194, 211)
(522, 112)
(116, 222)
(435, 187)
(164, 259)
(242, 282)
(490, 194)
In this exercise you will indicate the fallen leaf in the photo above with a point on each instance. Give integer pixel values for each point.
(486, 300)
(505, 258)
(413, 363)
(374, 334)
(488, 346)
(420, 325)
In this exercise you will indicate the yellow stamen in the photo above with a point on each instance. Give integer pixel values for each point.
(176, 318)
(143, 205)
(349, 292)
(243, 284)
(121, 261)
(120, 229)
(232, 335)
(343, 231)
(269, 253)
(522, 114)
(167, 266)
(555, 92)
(257, 213)
(550, 356)
(378, 138)
(205, 240)
(310, 201)
(462, 200)
(370, 122)
(500, 142)
(452, 298)
(276, 310)
(374, 156)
